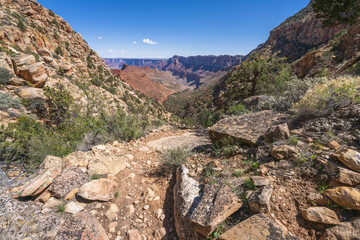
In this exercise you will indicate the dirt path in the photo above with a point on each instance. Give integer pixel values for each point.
(145, 198)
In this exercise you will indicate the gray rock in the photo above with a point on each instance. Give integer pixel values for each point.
(187, 196)
(259, 201)
(67, 180)
(277, 132)
(344, 231)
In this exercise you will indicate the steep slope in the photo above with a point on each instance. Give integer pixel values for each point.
(40, 49)
(141, 79)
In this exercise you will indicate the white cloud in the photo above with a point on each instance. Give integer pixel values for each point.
(110, 51)
(100, 37)
(148, 41)
(123, 51)
(134, 42)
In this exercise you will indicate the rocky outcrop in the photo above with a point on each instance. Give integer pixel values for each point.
(246, 129)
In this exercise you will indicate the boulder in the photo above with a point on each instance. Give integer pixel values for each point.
(217, 204)
(259, 201)
(52, 162)
(69, 179)
(342, 175)
(343, 231)
(321, 215)
(346, 197)
(106, 163)
(277, 132)
(44, 52)
(258, 227)
(349, 158)
(21, 60)
(260, 181)
(284, 152)
(30, 93)
(38, 185)
(66, 66)
(187, 196)
(102, 190)
(74, 207)
(34, 73)
(81, 226)
(246, 129)
(51, 62)
(77, 159)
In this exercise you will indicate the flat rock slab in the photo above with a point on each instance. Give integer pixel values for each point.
(102, 190)
(345, 197)
(258, 227)
(246, 129)
(321, 215)
(189, 140)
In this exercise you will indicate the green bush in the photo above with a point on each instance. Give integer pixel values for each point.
(173, 158)
(7, 101)
(21, 25)
(59, 51)
(51, 13)
(5, 76)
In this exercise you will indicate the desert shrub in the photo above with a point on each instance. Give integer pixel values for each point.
(7, 101)
(90, 63)
(21, 25)
(59, 102)
(173, 158)
(51, 13)
(325, 97)
(59, 51)
(237, 110)
(294, 90)
(5, 76)
(354, 69)
(28, 51)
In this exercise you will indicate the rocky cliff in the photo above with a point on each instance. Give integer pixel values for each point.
(191, 71)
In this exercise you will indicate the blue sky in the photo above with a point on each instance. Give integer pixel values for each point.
(163, 28)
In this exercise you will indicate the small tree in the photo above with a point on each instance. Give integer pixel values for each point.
(335, 12)
(59, 51)
(5, 76)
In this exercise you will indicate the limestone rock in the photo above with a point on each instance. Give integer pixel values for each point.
(187, 195)
(102, 190)
(71, 194)
(78, 159)
(258, 227)
(44, 52)
(344, 230)
(15, 81)
(34, 73)
(51, 62)
(81, 226)
(284, 152)
(321, 215)
(30, 93)
(39, 184)
(346, 197)
(277, 132)
(74, 207)
(112, 213)
(216, 205)
(260, 181)
(21, 60)
(349, 158)
(104, 163)
(67, 180)
(342, 175)
(259, 201)
(134, 234)
(247, 129)
(52, 162)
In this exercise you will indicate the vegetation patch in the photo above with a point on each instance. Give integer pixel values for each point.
(173, 158)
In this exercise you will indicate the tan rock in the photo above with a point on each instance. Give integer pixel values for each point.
(277, 132)
(15, 81)
(259, 201)
(260, 181)
(102, 190)
(349, 158)
(34, 73)
(71, 195)
(30, 93)
(342, 175)
(343, 231)
(130, 209)
(284, 152)
(321, 215)
(44, 52)
(52, 162)
(39, 184)
(318, 199)
(245, 129)
(334, 145)
(105, 163)
(77, 159)
(134, 234)
(346, 197)
(51, 203)
(112, 213)
(43, 197)
(51, 62)
(258, 227)
(22, 60)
